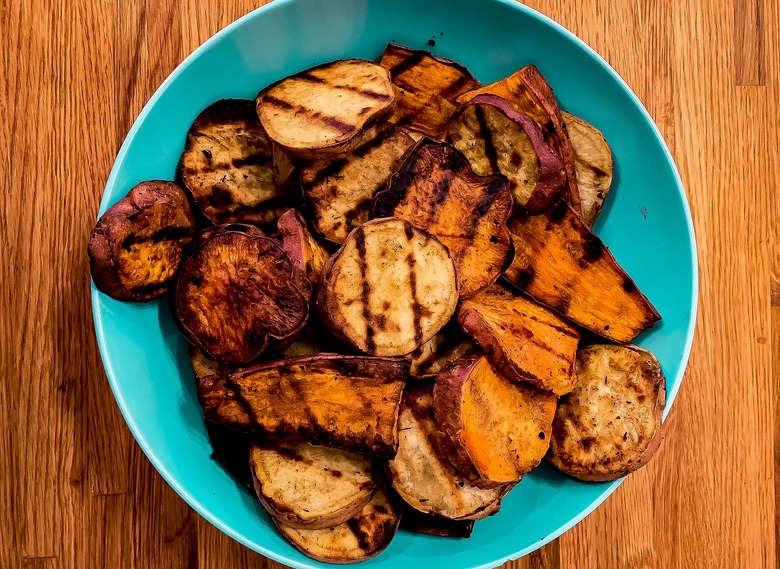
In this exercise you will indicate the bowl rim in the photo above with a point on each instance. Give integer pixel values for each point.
(103, 340)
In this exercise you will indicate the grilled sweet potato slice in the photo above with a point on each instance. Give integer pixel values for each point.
(346, 401)
(592, 163)
(388, 289)
(426, 524)
(306, 254)
(227, 165)
(426, 88)
(437, 191)
(610, 425)
(497, 139)
(500, 427)
(237, 290)
(446, 346)
(328, 109)
(562, 264)
(523, 339)
(359, 538)
(308, 486)
(136, 247)
(529, 93)
(203, 366)
(421, 472)
(339, 190)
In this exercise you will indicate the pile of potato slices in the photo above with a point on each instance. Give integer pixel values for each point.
(395, 304)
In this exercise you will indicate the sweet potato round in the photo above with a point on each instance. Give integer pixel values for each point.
(610, 424)
(136, 247)
(237, 290)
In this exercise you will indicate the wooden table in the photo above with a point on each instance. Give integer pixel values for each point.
(76, 491)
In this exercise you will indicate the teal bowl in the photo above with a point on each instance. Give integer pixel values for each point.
(646, 223)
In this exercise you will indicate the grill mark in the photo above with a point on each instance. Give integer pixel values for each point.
(487, 135)
(327, 120)
(291, 454)
(375, 142)
(413, 59)
(235, 391)
(309, 76)
(416, 306)
(365, 293)
(281, 103)
(331, 170)
(334, 123)
(253, 160)
(164, 234)
(363, 538)
(491, 194)
(456, 88)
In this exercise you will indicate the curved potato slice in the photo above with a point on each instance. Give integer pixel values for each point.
(389, 288)
(437, 191)
(610, 425)
(426, 88)
(499, 427)
(136, 247)
(497, 139)
(308, 486)
(306, 254)
(227, 165)
(339, 190)
(421, 472)
(446, 346)
(529, 93)
(359, 538)
(237, 290)
(327, 109)
(592, 163)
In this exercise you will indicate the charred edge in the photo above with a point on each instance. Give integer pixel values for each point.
(150, 289)
(365, 293)
(412, 60)
(487, 135)
(363, 538)
(165, 234)
(309, 76)
(375, 142)
(416, 306)
(592, 250)
(226, 111)
(628, 285)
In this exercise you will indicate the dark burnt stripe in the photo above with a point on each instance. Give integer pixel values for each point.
(456, 88)
(309, 76)
(487, 135)
(282, 104)
(164, 234)
(415, 58)
(253, 160)
(289, 453)
(491, 194)
(363, 538)
(332, 169)
(375, 142)
(416, 306)
(628, 285)
(334, 123)
(365, 293)
(235, 391)
(365, 92)
(547, 348)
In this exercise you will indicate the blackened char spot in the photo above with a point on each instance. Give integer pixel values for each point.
(254, 160)
(164, 234)
(557, 211)
(365, 293)
(587, 443)
(515, 159)
(491, 193)
(487, 136)
(362, 536)
(592, 249)
(206, 153)
(218, 197)
(524, 277)
(292, 454)
(562, 304)
(331, 170)
(409, 233)
(628, 285)
(336, 473)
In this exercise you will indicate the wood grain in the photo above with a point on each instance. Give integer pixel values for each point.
(75, 490)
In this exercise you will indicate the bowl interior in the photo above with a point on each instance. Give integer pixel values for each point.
(646, 223)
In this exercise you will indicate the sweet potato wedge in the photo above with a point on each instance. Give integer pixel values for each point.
(421, 472)
(523, 339)
(446, 346)
(562, 264)
(610, 425)
(529, 93)
(136, 248)
(497, 139)
(237, 290)
(284, 166)
(339, 190)
(359, 538)
(227, 165)
(500, 427)
(592, 163)
(307, 486)
(346, 401)
(436, 190)
(328, 109)
(389, 288)
(426, 524)
(306, 254)
(426, 88)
